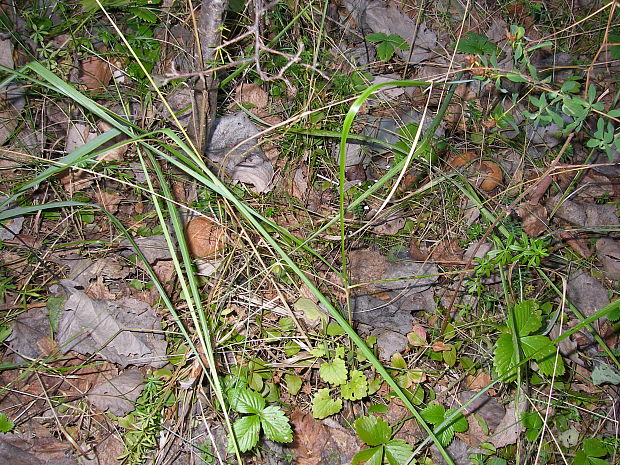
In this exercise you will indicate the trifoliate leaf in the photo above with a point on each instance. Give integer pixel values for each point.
(356, 388)
(6, 425)
(527, 316)
(246, 401)
(434, 414)
(373, 430)
(397, 452)
(323, 405)
(276, 424)
(372, 456)
(246, 431)
(541, 349)
(334, 373)
(476, 44)
(504, 360)
(293, 383)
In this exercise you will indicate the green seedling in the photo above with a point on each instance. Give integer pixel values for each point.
(377, 433)
(387, 44)
(271, 419)
(436, 414)
(525, 319)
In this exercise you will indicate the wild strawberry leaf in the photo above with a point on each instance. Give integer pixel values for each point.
(246, 431)
(276, 424)
(246, 401)
(373, 430)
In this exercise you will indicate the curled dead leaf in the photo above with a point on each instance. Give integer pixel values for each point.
(96, 74)
(493, 175)
(252, 94)
(205, 237)
(461, 159)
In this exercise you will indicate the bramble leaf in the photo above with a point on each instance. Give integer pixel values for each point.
(434, 414)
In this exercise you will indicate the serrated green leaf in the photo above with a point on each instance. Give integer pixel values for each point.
(476, 44)
(594, 447)
(372, 456)
(397, 452)
(323, 405)
(541, 349)
(372, 430)
(398, 41)
(246, 430)
(334, 373)
(377, 37)
(527, 316)
(293, 383)
(357, 386)
(446, 435)
(276, 424)
(434, 414)
(245, 401)
(6, 425)
(385, 51)
(504, 357)
(459, 423)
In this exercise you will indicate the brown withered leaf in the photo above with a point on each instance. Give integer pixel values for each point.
(478, 382)
(252, 94)
(534, 218)
(579, 245)
(316, 443)
(95, 74)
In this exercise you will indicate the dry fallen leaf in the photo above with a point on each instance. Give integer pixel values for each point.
(205, 237)
(533, 218)
(478, 382)
(95, 74)
(509, 428)
(117, 395)
(252, 94)
(125, 331)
